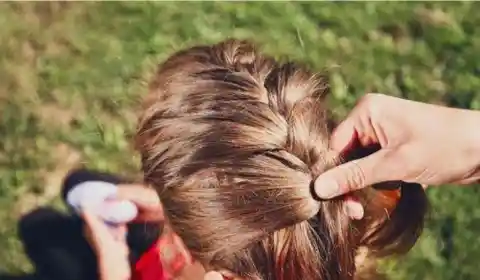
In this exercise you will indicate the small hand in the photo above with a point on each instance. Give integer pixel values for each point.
(109, 245)
(146, 199)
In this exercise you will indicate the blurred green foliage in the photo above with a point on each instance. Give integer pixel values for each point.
(71, 75)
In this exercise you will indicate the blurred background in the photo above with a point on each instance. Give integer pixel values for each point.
(71, 75)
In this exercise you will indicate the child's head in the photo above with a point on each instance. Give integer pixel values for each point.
(232, 140)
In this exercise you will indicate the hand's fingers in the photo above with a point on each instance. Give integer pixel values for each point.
(150, 216)
(119, 232)
(95, 230)
(354, 208)
(146, 199)
(96, 226)
(353, 175)
(358, 126)
(343, 137)
(213, 275)
(141, 195)
(105, 239)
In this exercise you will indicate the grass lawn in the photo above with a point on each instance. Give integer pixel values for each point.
(71, 75)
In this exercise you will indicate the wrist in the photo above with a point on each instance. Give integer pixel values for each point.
(472, 131)
(109, 268)
(474, 126)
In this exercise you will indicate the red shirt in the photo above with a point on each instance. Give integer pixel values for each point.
(163, 261)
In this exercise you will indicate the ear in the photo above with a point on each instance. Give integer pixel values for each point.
(228, 275)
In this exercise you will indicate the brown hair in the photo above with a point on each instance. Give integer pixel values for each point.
(232, 140)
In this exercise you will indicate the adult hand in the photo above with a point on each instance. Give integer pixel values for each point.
(421, 143)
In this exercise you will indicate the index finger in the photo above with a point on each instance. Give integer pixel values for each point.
(357, 127)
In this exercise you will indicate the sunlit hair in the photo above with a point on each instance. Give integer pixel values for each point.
(232, 140)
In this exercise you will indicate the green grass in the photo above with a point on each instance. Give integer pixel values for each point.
(71, 75)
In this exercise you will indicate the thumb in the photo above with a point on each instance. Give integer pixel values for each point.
(353, 175)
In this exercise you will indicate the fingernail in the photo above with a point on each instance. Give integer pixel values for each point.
(354, 209)
(326, 188)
